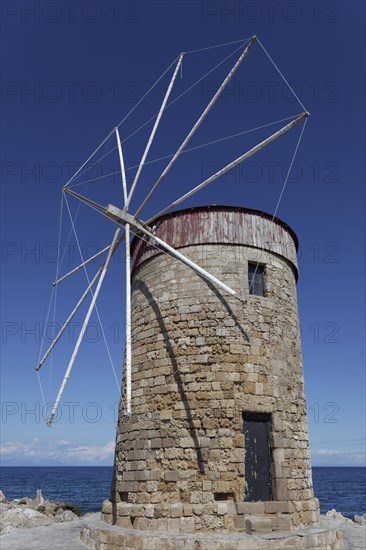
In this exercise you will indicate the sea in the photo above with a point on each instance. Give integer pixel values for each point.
(341, 488)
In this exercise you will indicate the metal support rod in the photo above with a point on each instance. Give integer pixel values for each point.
(123, 172)
(82, 265)
(128, 321)
(198, 123)
(223, 171)
(83, 328)
(155, 127)
(128, 282)
(87, 201)
(69, 319)
(102, 209)
(123, 218)
(87, 160)
(84, 199)
(67, 322)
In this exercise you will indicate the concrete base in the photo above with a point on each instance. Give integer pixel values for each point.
(100, 536)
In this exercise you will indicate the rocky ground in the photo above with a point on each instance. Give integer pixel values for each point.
(25, 513)
(357, 520)
(354, 532)
(27, 524)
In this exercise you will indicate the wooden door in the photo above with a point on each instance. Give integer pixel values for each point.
(258, 484)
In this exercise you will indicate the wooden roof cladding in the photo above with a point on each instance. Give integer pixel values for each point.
(220, 225)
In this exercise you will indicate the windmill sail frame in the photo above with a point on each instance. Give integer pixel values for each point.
(132, 223)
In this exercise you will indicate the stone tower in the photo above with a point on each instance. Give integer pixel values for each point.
(218, 436)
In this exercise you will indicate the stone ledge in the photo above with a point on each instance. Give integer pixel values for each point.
(212, 516)
(100, 536)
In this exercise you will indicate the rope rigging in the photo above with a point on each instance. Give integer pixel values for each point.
(153, 117)
(189, 149)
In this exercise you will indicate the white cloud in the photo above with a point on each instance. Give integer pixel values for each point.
(90, 453)
(63, 442)
(62, 451)
(329, 452)
(336, 457)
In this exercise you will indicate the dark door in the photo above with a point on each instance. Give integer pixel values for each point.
(257, 457)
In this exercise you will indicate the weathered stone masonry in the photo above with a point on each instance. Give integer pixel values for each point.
(200, 360)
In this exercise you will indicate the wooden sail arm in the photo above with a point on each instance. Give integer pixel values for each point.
(69, 319)
(83, 329)
(123, 218)
(153, 132)
(198, 123)
(81, 265)
(232, 164)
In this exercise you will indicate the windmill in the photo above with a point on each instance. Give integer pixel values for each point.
(128, 223)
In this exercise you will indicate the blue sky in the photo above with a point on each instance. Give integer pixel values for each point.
(70, 74)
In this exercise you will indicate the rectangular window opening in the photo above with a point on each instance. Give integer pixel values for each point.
(256, 279)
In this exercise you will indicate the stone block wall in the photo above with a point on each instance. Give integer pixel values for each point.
(201, 359)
